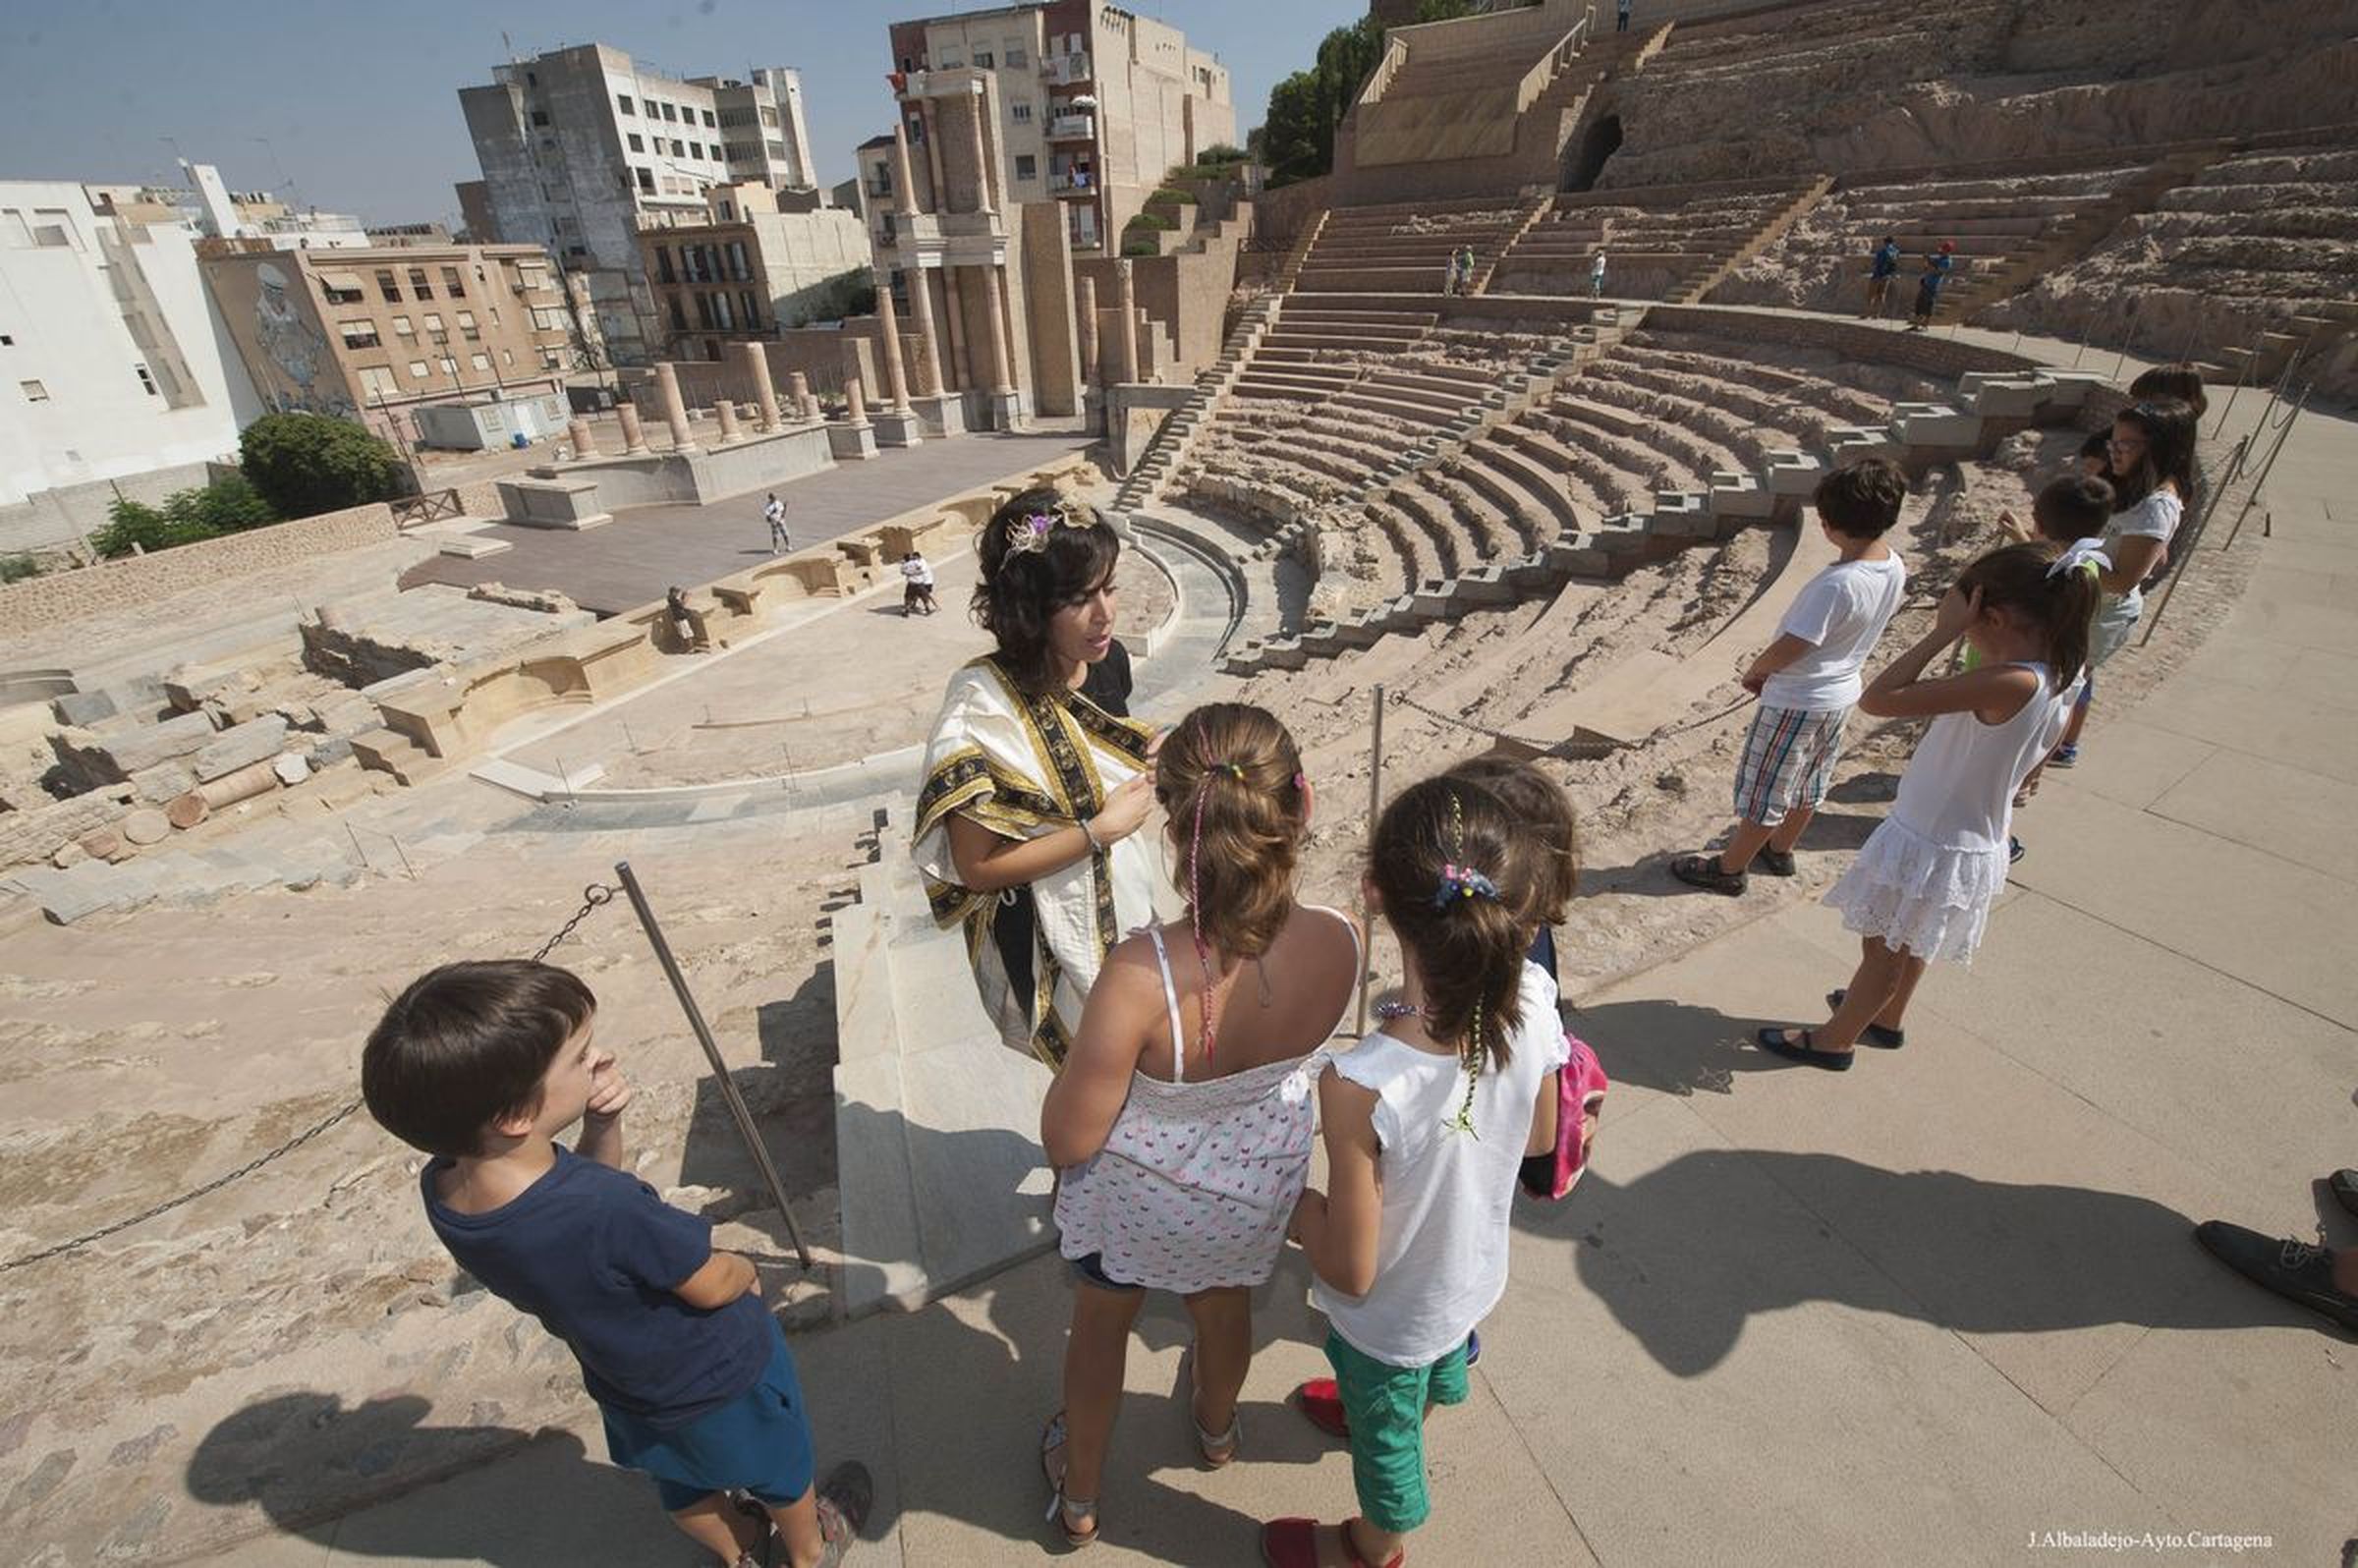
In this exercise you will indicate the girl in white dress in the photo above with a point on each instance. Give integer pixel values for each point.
(1181, 1125)
(1921, 886)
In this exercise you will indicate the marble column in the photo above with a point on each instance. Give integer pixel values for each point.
(765, 391)
(634, 435)
(725, 410)
(1089, 333)
(994, 299)
(854, 401)
(985, 198)
(888, 327)
(903, 175)
(921, 315)
(577, 431)
(798, 390)
(1125, 307)
(675, 410)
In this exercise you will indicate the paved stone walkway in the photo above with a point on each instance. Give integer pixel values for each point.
(632, 560)
(1943, 1308)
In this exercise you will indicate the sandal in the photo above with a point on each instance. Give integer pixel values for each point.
(1706, 873)
(1294, 1543)
(1774, 862)
(1216, 1449)
(1322, 1402)
(1063, 1510)
(1794, 1046)
(1889, 1039)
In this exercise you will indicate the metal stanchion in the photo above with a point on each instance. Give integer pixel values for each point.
(1367, 968)
(2180, 558)
(2260, 481)
(739, 1112)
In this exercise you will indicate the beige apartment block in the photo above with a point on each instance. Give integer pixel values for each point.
(372, 334)
(749, 269)
(1094, 104)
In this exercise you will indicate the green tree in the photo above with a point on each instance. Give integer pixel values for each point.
(303, 464)
(1297, 137)
(228, 505)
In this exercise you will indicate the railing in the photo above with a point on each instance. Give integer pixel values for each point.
(1072, 126)
(1549, 66)
(409, 511)
(1063, 184)
(1395, 55)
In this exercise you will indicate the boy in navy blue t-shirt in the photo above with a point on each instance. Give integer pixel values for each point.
(482, 1065)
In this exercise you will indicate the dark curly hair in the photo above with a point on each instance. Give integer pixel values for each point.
(1021, 590)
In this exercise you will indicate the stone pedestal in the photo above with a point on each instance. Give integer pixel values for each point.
(898, 427)
(633, 436)
(1006, 410)
(852, 442)
(798, 391)
(577, 432)
(675, 409)
(725, 412)
(765, 392)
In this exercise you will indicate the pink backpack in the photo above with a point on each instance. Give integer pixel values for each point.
(1579, 1089)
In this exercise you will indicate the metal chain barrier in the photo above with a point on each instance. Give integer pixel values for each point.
(1574, 750)
(595, 897)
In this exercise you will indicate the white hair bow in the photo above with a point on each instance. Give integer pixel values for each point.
(2079, 553)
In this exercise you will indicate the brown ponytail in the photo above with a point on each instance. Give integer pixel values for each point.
(1434, 846)
(2059, 604)
(1545, 813)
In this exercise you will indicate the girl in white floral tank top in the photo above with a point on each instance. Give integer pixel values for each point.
(1181, 1126)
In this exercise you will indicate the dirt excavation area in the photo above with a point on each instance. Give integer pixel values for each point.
(294, 1344)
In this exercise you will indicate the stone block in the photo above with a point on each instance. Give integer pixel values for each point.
(852, 442)
(255, 741)
(114, 758)
(164, 782)
(80, 709)
(331, 751)
(189, 689)
(1794, 474)
(291, 767)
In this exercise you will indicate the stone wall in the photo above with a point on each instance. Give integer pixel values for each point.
(36, 834)
(1928, 353)
(113, 586)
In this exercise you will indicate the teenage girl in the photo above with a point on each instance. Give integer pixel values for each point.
(1426, 1124)
(1182, 1119)
(1921, 886)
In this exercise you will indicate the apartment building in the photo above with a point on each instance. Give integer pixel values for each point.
(749, 269)
(577, 145)
(1096, 103)
(371, 334)
(110, 368)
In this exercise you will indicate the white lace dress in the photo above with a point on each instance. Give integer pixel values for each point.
(1197, 1181)
(1926, 876)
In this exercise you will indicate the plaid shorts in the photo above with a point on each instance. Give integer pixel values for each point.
(1788, 761)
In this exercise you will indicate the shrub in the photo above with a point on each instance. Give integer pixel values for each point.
(1169, 196)
(1151, 219)
(228, 505)
(1140, 245)
(303, 464)
(17, 568)
(1219, 153)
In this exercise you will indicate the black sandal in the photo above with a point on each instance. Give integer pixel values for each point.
(1706, 873)
(1889, 1039)
(1794, 1046)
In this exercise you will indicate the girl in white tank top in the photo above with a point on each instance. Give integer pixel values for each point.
(1181, 1126)
(1922, 885)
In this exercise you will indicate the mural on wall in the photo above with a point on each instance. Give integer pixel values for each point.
(298, 351)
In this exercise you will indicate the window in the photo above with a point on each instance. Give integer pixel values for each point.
(1027, 167)
(646, 180)
(388, 285)
(146, 382)
(1020, 111)
(336, 295)
(679, 149)
(450, 283)
(418, 370)
(34, 391)
(707, 114)
(450, 367)
(984, 60)
(507, 357)
(1016, 57)
(777, 151)
(879, 179)
(664, 272)
(769, 116)
(669, 113)
(622, 101)
(752, 310)
(696, 150)
(496, 315)
(358, 334)
(419, 290)
(403, 328)
(679, 322)
(953, 62)
(546, 318)
(435, 331)
(737, 264)
(548, 358)
(480, 362)
(638, 144)
(380, 382)
(703, 312)
(539, 117)
(467, 327)
(577, 249)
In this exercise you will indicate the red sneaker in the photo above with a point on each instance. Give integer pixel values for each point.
(1322, 1403)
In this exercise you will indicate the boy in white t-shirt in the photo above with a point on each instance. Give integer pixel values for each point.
(1808, 679)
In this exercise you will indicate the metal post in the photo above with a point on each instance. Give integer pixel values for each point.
(2249, 359)
(2260, 481)
(356, 848)
(738, 1110)
(2193, 538)
(567, 779)
(408, 869)
(1366, 968)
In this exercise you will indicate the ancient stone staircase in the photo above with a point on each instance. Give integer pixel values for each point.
(1160, 458)
(1535, 212)
(2075, 237)
(1693, 288)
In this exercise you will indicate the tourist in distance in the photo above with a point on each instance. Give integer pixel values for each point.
(1449, 273)
(2323, 1279)
(1426, 1123)
(1808, 679)
(774, 510)
(1880, 270)
(684, 624)
(2151, 457)
(916, 590)
(1597, 276)
(1621, 16)
(1465, 269)
(1922, 885)
(1180, 1122)
(1037, 780)
(480, 1066)
(1936, 266)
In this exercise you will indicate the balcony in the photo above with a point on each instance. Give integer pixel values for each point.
(1071, 183)
(1073, 127)
(1066, 70)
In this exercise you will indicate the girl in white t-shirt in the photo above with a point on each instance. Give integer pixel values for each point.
(1426, 1123)
(2151, 455)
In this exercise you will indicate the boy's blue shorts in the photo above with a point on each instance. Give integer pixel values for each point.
(757, 1442)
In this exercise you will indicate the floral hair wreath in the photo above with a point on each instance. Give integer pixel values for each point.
(1029, 532)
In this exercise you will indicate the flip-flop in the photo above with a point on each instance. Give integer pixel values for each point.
(1889, 1039)
(1794, 1046)
(1063, 1510)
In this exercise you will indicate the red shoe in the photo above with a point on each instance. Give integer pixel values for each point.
(1322, 1402)
(1294, 1543)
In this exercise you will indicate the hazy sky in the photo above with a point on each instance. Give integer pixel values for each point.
(354, 106)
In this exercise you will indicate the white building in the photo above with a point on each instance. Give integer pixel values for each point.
(110, 367)
(578, 145)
